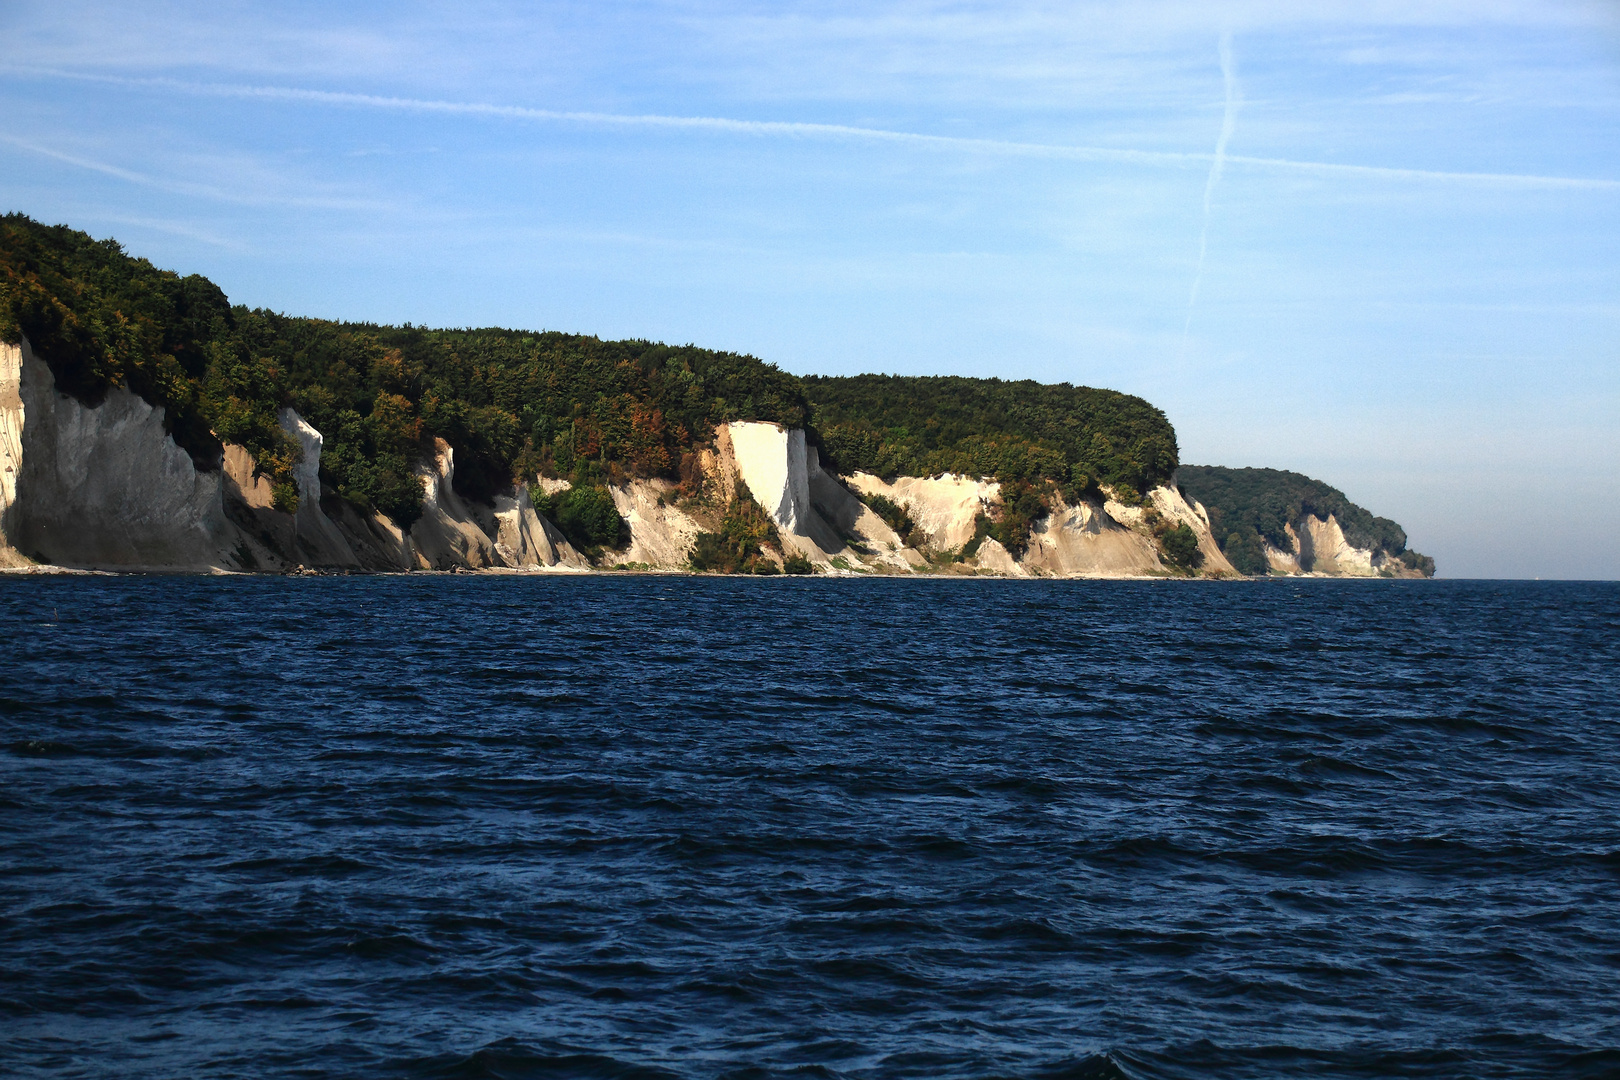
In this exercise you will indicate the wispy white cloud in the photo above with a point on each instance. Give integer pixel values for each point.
(806, 129)
(166, 225)
(243, 196)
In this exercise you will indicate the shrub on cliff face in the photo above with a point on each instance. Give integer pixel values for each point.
(737, 548)
(1021, 505)
(1245, 551)
(711, 554)
(1181, 544)
(893, 514)
(982, 530)
(586, 516)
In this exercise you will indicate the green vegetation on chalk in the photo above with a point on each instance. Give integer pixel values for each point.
(1244, 550)
(509, 402)
(1021, 506)
(586, 516)
(1267, 500)
(1181, 544)
(737, 548)
(797, 564)
(1251, 507)
(1029, 432)
(893, 514)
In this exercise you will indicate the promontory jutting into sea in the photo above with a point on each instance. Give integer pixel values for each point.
(146, 423)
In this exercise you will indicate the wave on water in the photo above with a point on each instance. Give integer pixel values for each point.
(726, 828)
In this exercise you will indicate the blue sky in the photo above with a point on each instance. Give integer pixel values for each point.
(1378, 243)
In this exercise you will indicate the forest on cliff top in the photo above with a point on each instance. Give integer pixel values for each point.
(1248, 506)
(513, 402)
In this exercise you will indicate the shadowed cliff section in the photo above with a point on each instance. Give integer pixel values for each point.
(1270, 520)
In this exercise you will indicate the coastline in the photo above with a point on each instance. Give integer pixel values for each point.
(48, 570)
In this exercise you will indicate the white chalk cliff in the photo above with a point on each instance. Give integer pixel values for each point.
(820, 516)
(103, 485)
(106, 486)
(1320, 548)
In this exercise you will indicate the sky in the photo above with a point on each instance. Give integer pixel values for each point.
(1374, 242)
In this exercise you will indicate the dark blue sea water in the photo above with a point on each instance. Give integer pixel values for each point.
(447, 826)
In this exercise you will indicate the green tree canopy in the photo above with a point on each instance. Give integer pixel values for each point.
(1266, 501)
(1012, 431)
(510, 402)
(514, 402)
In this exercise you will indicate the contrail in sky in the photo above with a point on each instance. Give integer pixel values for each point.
(811, 130)
(179, 187)
(1228, 121)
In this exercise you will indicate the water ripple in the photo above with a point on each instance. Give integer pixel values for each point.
(453, 826)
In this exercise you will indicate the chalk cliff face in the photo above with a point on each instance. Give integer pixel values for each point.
(661, 534)
(771, 461)
(105, 486)
(944, 507)
(11, 431)
(319, 542)
(1088, 539)
(100, 486)
(1320, 547)
(822, 517)
(1091, 541)
(446, 536)
(525, 540)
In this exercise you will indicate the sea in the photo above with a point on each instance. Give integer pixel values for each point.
(636, 826)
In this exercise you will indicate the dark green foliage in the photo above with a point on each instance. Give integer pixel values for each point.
(1267, 500)
(587, 517)
(100, 319)
(893, 514)
(1181, 544)
(1244, 550)
(982, 529)
(514, 403)
(711, 554)
(737, 547)
(1423, 564)
(797, 564)
(509, 402)
(1021, 507)
(1024, 431)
